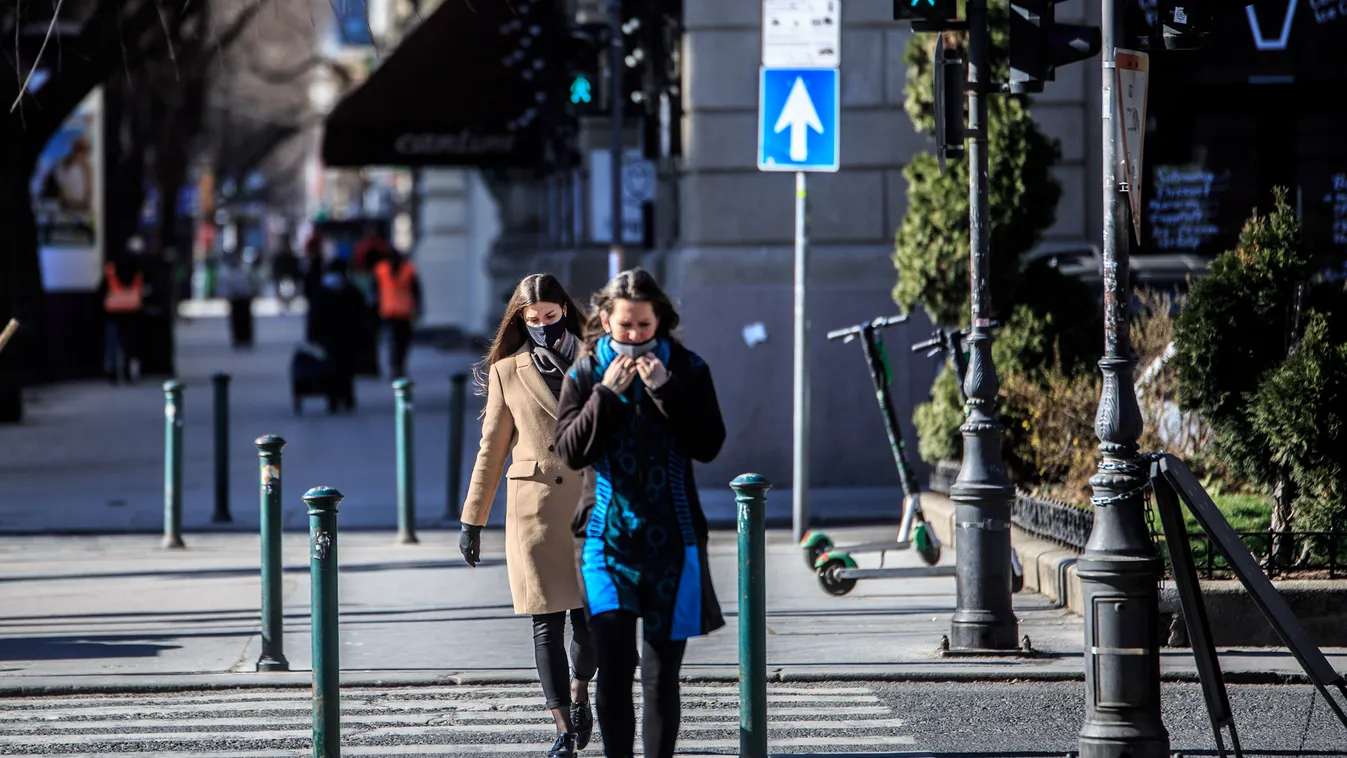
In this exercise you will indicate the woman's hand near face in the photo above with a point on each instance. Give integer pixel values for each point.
(653, 371)
(620, 374)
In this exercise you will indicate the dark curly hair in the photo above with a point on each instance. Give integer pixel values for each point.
(638, 286)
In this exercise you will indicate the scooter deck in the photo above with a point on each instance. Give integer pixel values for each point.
(872, 547)
(896, 573)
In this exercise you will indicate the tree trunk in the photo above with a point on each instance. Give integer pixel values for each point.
(21, 294)
(1283, 520)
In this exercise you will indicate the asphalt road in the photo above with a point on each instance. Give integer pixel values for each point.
(984, 720)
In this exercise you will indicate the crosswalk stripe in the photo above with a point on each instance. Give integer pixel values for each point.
(44, 719)
(449, 720)
(304, 695)
(493, 705)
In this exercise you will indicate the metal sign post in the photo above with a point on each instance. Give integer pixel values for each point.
(1133, 74)
(799, 115)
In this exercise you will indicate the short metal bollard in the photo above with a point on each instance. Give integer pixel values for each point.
(220, 384)
(750, 493)
(173, 464)
(402, 389)
(322, 503)
(457, 401)
(273, 619)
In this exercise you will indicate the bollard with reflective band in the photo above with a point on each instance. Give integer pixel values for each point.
(173, 464)
(750, 493)
(273, 620)
(322, 503)
(457, 390)
(402, 389)
(220, 384)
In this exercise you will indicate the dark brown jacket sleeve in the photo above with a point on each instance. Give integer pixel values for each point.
(688, 401)
(587, 416)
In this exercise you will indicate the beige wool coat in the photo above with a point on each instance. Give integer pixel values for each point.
(542, 493)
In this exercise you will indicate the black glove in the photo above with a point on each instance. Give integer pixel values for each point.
(470, 544)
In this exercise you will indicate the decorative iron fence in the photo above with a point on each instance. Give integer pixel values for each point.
(1312, 554)
(1063, 524)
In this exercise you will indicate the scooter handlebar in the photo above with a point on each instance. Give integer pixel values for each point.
(879, 323)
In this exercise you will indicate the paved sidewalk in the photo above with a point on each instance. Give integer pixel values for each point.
(115, 613)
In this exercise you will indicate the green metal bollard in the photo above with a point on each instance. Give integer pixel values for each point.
(220, 383)
(402, 388)
(273, 619)
(322, 502)
(750, 493)
(457, 390)
(173, 464)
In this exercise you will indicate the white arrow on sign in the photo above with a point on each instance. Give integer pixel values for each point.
(799, 114)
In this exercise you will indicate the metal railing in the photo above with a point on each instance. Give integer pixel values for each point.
(1313, 554)
(1063, 524)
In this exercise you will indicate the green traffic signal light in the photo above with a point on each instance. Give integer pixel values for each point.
(581, 90)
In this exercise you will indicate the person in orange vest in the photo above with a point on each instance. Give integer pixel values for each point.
(122, 292)
(399, 298)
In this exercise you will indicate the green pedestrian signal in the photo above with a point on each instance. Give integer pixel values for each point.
(581, 90)
(925, 10)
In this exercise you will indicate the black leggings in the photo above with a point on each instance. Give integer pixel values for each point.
(615, 641)
(549, 650)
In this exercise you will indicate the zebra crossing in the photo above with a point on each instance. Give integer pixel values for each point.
(424, 721)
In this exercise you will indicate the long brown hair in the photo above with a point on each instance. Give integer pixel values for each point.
(636, 285)
(511, 334)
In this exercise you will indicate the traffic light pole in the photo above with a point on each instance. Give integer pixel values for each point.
(615, 89)
(1120, 570)
(983, 619)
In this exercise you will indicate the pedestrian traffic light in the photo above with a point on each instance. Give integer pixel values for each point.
(1185, 23)
(926, 10)
(583, 57)
(949, 98)
(1038, 44)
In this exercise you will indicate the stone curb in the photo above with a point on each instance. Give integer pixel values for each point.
(169, 683)
(1049, 569)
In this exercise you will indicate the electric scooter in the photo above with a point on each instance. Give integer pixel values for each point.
(837, 570)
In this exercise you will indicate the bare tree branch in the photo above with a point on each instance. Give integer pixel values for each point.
(24, 87)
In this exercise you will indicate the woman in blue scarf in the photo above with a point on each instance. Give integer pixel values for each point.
(639, 408)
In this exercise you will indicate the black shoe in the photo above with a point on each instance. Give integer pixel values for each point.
(564, 747)
(582, 721)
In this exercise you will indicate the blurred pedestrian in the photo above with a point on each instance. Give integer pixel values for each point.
(314, 265)
(639, 408)
(285, 274)
(336, 317)
(237, 285)
(122, 291)
(399, 304)
(521, 377)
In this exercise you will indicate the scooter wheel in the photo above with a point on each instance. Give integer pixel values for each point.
(816, 549)
(830, 581)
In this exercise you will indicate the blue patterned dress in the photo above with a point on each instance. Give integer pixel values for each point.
(645, 534)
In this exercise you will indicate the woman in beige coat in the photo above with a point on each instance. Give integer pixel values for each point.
(525, 366)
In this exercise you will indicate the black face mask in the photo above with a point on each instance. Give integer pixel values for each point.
(548, 335)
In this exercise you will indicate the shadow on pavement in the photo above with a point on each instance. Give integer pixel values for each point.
(74, 648)
(220, 573)
(199, 617)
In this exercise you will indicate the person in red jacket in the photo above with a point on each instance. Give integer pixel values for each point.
(399, 297)
(123, 292)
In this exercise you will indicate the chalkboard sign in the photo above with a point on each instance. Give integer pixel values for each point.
(1184, 210)
(1337, 202)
